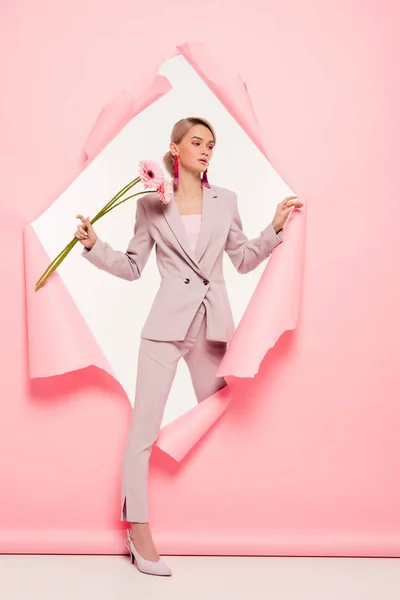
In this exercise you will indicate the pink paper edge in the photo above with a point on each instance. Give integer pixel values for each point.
(172, 439)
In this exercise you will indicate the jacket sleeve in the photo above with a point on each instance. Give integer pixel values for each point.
(126, 265)
(247, 254)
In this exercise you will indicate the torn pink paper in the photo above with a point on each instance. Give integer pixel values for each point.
(179, 436)
(59, 340)
(51, 313)
(229, 88)
(272, 310)
(119, 112)
(274, 306)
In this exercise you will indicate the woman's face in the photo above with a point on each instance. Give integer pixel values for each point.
(195, 150)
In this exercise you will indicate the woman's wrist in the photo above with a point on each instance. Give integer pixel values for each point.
(91, 246)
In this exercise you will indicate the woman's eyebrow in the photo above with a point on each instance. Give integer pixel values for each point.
(196, 137)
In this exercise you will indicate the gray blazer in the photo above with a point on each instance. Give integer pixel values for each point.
(187, 278)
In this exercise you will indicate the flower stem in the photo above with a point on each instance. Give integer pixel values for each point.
(124, 200)
(116, 197)
(60, 257)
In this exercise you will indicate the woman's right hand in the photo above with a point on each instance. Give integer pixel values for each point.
(85, 233)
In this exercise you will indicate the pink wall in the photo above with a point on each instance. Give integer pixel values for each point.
(310, 463)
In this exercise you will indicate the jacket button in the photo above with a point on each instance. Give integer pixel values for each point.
(187, 280)
(205, 281)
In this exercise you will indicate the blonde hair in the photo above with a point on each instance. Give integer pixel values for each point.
(179, 131)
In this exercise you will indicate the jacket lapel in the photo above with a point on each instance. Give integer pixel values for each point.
(208, 216)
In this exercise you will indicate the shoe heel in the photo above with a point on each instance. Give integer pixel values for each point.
(130, 552)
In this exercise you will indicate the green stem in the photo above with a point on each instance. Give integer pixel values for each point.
(50, 269)
(55, 264)
(116, 197)
(106, 208)
(125, 199)
(72, 243)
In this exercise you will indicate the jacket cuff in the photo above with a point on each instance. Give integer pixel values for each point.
(271, 236)
(96, 253)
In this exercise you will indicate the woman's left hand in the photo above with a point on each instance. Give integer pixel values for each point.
(283, 211)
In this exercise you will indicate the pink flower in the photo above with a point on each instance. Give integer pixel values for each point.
(165, 192)
(150, 174)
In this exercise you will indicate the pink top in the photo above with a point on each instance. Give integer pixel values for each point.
(192, 225)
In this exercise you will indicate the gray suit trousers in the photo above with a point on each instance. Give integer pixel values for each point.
(157, 364)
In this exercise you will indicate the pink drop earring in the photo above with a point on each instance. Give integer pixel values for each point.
(204, 180)
(176, 171)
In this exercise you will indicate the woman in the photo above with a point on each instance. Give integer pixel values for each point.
(191, 316)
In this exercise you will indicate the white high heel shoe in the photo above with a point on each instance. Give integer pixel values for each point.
(151, 567)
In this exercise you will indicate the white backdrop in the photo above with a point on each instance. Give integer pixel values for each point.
(115, 309)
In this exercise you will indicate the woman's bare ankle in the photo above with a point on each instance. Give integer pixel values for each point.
(141, 532)
(139, 525)
(142, 538)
